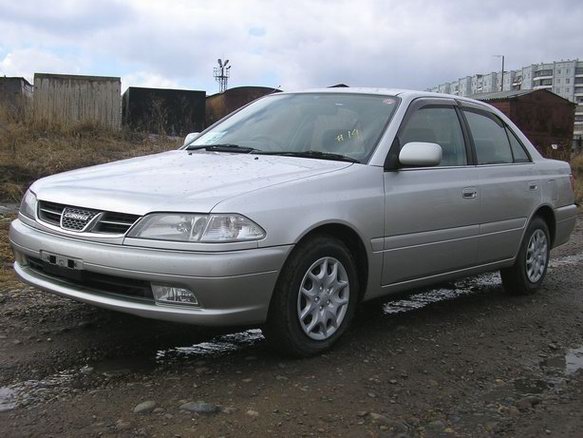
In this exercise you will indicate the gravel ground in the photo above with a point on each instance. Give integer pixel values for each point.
(462, 359)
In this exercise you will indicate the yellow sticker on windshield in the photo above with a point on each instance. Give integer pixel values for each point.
(348, 135)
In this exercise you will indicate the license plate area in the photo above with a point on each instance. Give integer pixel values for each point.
(61, 265)
(61, 260)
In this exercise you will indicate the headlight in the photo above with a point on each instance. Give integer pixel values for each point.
(197, 228)
(28, 205)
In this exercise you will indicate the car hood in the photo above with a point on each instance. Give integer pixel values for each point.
(175, 180)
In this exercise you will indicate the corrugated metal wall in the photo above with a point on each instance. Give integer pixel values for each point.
(71, 99)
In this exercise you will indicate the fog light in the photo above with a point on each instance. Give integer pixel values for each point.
(20, 258)
(173, 295)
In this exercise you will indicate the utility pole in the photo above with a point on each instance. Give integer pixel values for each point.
(222, 73)
(502, 74)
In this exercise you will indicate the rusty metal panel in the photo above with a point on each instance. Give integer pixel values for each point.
(222, 104)
(73, 99)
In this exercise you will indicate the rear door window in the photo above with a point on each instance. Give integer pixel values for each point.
(490, 139)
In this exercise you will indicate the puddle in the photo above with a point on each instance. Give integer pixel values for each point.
(568, 364)
(463, 287)
(528, 386)
(460, 288)
(36, 391)
(557, 363)
(216, 347)
(119, 366)
(574, 360)
(567, 260)
(32, 391)
(7, 399)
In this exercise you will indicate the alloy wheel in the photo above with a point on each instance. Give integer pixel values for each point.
(323, 298)
(536, 256)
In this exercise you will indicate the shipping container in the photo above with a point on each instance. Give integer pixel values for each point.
(164, 111)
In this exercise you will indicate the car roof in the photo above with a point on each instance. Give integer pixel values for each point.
(401, 92)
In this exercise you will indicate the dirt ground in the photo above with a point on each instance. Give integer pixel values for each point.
(461, 359)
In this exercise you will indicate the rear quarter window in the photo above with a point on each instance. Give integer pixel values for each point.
(520, 155)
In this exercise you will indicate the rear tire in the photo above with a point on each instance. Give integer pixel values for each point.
(314, 298)
(530, 267)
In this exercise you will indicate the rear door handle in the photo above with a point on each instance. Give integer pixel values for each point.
(469, 193)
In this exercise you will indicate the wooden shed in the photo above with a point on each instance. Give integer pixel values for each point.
(15, 96)
(221, 104)
(73, 99)
(544, 117)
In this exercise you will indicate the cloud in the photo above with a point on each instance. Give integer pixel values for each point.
(25, 62)
(148, 80)
(304, 43)
(67, 17)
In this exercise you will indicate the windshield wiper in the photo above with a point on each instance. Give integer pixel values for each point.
(224, 147)
(313, 154)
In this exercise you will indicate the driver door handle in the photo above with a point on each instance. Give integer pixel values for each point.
(469, 193)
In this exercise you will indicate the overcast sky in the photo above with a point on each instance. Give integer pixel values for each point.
(289, 43)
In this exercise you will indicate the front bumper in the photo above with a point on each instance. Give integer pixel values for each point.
(233, 287)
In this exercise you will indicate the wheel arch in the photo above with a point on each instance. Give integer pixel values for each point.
(547, 213)
(352, 239)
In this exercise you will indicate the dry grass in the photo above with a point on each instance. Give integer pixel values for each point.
(577, 163)
(30, 151)
(7, 276)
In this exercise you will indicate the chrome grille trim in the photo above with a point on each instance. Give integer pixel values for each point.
(50, 212)
(78, 219)
(55, 212)
(113, 222)
(85, 220)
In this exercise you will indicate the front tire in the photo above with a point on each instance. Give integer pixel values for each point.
(314, 298)
(529, 270)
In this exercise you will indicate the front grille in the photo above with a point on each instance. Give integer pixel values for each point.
(100, 283)
(85, 220)
(76, 219)
(50, 212)
(115, 223)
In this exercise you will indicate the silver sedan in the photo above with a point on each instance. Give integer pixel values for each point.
(291, 211)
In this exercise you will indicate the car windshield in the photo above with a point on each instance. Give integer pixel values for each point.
(315, 125)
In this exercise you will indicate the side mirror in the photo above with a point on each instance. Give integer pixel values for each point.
(190, 137)
(420, 154)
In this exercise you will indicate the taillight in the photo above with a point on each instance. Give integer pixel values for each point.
(572, 178)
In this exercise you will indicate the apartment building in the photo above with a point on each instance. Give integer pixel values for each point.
(564, 78)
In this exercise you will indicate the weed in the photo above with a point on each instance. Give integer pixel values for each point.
(31, 150)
